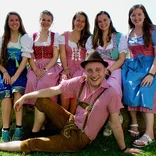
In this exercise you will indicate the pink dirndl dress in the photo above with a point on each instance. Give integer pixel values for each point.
(74, 57)
(43, 55)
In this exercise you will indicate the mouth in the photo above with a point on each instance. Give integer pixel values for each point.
(94, 79)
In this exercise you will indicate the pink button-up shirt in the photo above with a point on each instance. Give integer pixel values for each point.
(109, 102)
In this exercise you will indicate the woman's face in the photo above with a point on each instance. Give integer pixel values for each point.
(14, 22)
(79, 22)
(103, 22)
(45, 21)
(137, 17)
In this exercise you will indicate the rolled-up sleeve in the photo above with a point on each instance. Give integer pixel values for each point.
(27, 45)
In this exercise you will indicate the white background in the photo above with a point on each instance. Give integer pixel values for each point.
(64, 10)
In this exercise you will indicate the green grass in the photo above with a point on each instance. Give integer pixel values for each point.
(101, 146)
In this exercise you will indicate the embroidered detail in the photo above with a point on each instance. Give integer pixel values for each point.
(107, 53)
(76, 54)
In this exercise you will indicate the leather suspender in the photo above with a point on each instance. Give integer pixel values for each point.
(87, 106)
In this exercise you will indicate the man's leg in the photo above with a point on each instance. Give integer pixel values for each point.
(56, 143)
(57, 114)
(13, 146)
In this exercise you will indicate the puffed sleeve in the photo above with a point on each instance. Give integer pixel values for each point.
(154, 37)
(123, 47)
(61, 39)
(27, 45)
(89, 46)
(56, 40)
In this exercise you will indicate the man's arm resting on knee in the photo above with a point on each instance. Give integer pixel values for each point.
(43, 93)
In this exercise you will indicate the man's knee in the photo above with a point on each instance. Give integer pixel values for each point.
(40, 103)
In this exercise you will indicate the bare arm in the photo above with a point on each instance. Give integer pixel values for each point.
(119, 135)
(147, 81)
(43, 93)
(67, 72)
(119, 62)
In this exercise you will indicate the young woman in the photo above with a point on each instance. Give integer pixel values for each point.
(138, 73)
(73, 52)
(112, 47)
(44, 70)
(15, 49)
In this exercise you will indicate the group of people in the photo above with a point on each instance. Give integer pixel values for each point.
(91, 85)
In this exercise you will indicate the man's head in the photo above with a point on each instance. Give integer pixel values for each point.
(95, 69)
(94, 57)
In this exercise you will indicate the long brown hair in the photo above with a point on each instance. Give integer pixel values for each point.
(97, 32)
(6, 37)
(85, 33)
(147, 24)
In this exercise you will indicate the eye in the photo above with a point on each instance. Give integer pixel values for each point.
(89, 70)
(98, 70)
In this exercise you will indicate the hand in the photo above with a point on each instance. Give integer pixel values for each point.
(18, 104)
(147, 81)
(6, 78)
(13, 79)
(64, 77)
(133, 151)
(36, 71)
(40, 73)
(67, 72)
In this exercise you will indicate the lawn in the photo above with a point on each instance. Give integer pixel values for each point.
(101, 146)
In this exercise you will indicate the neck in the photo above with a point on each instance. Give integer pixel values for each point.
(14, 35)
(44, 32)
(105, 36)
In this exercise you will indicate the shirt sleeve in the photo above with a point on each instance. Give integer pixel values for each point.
(56, 40)
(61, 39)
(123, 47)
(154, 37)
(27, 45)
(70, 87)
(89, 46)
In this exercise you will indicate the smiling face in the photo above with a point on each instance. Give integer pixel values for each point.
(137, 17)
(13, 22)
(79, 22)
(45, 21)
(103, 22)
(95, 72)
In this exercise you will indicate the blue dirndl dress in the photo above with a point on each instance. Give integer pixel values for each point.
(134, 70)
(14, 59)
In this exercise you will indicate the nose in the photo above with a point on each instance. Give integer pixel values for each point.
(94, 73)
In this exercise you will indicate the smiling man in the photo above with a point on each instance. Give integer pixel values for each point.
(96, 100)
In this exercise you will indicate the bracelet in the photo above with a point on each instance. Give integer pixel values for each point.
(123, 150)
(45, 69)
(151, 74)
